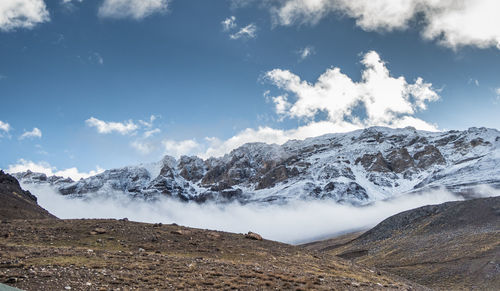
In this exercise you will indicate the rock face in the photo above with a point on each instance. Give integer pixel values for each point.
(356, 167)
(15, 203)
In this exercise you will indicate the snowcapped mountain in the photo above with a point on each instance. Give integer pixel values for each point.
(357, 167)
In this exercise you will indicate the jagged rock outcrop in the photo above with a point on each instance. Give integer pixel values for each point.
(356, 167)
(428, 157)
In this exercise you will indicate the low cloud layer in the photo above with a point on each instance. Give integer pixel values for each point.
(451, 23)
(23, 165)
(292, 223)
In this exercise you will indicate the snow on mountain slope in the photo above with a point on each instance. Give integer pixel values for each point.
(357, 167)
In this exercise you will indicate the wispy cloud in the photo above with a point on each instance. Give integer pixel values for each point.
(135, 9)
(35, 133)
(150, 133)
(179, 148)
(306, 52)
(96, 58)
(229, 23)
(249, 31)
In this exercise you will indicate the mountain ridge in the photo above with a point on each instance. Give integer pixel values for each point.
(358, 167)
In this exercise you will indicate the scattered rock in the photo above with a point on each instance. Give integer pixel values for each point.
(253, 235)
(180, 232)
(213, 235)
(100, 230)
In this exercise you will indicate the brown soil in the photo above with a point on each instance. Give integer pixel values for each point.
(55, 254)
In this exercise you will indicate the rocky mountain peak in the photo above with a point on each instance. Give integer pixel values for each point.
(356, 167)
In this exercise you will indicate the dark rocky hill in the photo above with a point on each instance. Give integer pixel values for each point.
(451, 246)
(15, 203)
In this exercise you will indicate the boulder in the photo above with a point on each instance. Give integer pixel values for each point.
(253, 235)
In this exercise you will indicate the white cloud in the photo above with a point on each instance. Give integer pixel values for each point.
(149, 123)
(383, 99)
(31, 134)
(281, 103)
(45, 168)
(4, 126)
(386, 100)
(249, 31)
(229, 23)
(69, 3)
(179, 148)
(377, 99)
(22, 14)
(451, 23)
(497, 91)
(235, 4)
(143, 147)
(150, 133)
(136, 9)
(306, 52)
(123, 128)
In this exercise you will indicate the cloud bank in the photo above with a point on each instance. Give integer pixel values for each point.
(45, 168)
(292, 223)
(451, 23)
(22, 14)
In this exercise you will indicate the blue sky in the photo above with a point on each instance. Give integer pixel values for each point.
(101, 84)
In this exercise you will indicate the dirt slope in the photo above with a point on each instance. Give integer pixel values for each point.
(452, 246)
(15, 203)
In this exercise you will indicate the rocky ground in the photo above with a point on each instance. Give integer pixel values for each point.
(452, 246)
(122, 255)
